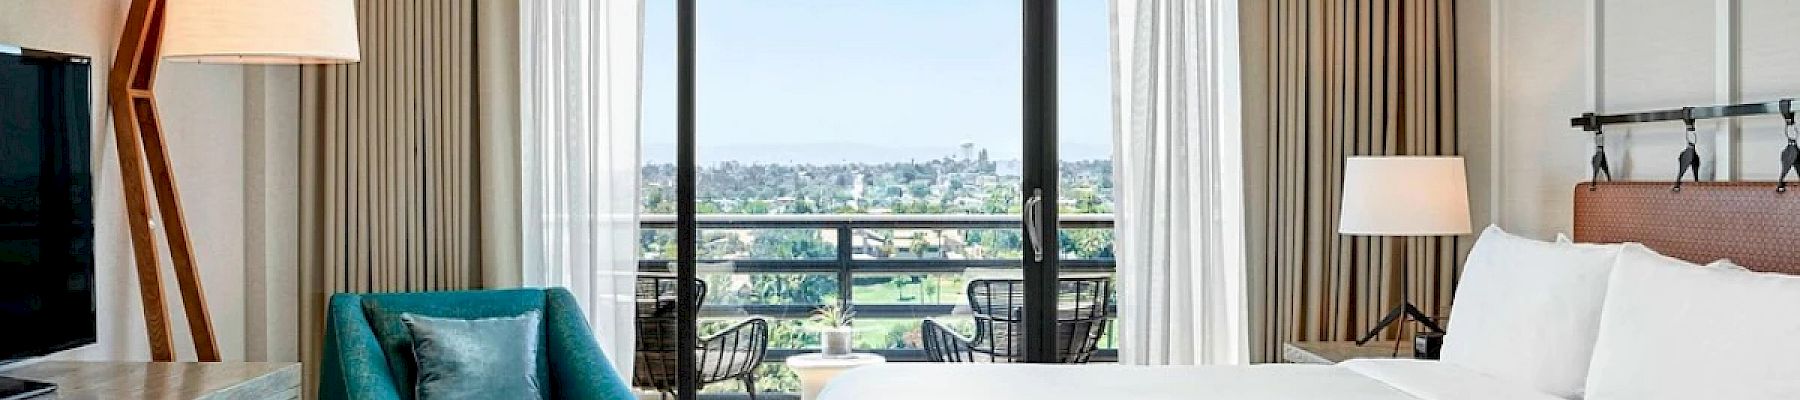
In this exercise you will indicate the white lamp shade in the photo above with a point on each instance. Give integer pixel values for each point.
(262, 31)
(1405, 196)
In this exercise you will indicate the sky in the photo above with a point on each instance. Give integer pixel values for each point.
(824, 81)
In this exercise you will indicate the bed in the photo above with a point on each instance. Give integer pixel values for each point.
(1351, 380)
(1704, 222)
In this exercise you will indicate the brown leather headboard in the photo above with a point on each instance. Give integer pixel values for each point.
(1747, 222)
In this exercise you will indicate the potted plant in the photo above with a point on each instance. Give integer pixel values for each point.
(833, 323)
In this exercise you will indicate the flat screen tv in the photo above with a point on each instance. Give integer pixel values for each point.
(46, 204)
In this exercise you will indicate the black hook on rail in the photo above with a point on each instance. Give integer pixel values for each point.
(1690, 157)
(1599, 164)
(1592, 123)
(1790, 155)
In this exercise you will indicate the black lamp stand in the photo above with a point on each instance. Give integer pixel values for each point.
(1397, 262)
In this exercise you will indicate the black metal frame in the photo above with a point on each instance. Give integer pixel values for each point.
(1039, 157)
(1689, 160)
(1591, 122)
(845, 267)
(1040, 178)
(687, 228)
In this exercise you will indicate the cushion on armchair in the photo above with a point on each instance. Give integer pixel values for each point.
(368, 350)
(475, 358)
(384, 312)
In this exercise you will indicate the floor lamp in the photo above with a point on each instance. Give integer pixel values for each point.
(224, 31)
(1404, 197)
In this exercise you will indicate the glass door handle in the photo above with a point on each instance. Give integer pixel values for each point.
(1034, 223)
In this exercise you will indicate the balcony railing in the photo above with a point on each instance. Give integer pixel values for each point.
(854, 256)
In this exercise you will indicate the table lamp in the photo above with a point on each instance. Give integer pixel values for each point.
(227, 31)
(1403, 197)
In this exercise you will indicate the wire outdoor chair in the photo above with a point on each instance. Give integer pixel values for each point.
(999, 304)
(730, 354)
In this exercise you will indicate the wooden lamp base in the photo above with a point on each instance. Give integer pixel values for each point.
(130, 90)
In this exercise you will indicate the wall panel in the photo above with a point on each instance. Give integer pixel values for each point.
(1766, 66)
(1554, 59)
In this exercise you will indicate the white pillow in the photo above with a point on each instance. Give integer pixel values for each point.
(1721, 263)
(1564, 239)
(1671, 331)
(1528, 311)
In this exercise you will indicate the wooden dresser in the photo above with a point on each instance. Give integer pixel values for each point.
(164, 381)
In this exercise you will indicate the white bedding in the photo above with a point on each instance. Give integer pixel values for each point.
(1356, 380)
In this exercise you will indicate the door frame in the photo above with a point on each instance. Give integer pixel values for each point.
(1039, 177)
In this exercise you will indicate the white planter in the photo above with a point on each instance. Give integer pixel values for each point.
(835, 342)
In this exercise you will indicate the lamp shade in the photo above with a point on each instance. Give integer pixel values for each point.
(1405, 196)
(262, 31)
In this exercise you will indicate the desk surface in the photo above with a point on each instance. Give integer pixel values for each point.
(165, 381)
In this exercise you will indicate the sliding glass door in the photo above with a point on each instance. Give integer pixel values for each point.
(896, 158)
(1086, 298)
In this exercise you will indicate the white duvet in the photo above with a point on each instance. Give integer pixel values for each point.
(1352, 380)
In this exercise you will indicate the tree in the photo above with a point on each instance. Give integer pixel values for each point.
(756, 207)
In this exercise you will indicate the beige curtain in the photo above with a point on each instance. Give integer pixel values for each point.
(1337, 78)
(390, 158)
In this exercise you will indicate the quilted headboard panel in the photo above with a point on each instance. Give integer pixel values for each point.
(1747, 222)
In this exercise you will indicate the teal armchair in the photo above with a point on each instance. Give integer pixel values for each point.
(368, 352)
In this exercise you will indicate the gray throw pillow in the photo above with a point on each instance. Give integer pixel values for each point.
(488, 358)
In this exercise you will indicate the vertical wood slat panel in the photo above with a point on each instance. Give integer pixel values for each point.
(431, 115)
(332, 264)
(1348, 77)
(1457, 247)
(466, 171)
(1285, 156)
(1295, 250)
(403, 164)
(375, 125)
(1364, 248)
(444, 186)
(1312, 180)
(397, 151)
(394, 160)
(434, 157)
(1273, 237)
(394, 128)
(363, 139)
(450, 152)
(409, 202)
(375, 157)
(455, 153)
(384, 136)
(1328, 68)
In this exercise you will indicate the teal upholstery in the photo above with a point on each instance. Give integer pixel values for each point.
(368, 351)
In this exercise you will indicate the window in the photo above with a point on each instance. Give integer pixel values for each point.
(867, 151)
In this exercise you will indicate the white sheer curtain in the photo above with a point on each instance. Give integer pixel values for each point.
(1180, 188)
(578, 141)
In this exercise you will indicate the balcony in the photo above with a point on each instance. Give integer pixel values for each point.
(896, 270)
